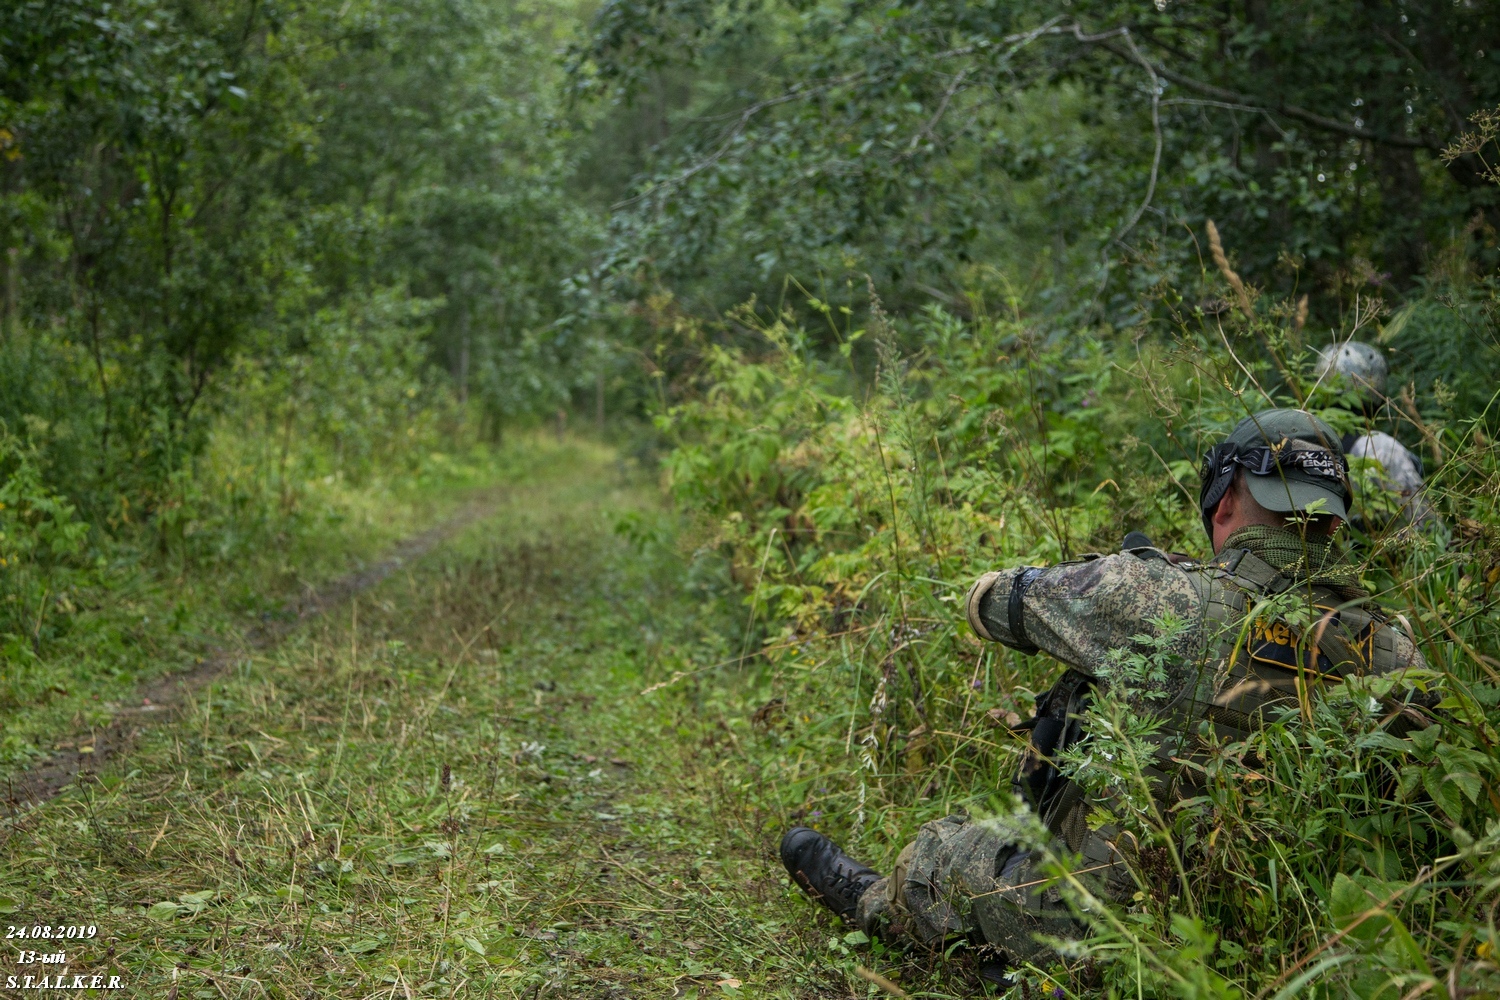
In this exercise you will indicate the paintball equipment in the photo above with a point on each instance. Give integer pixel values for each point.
(1354, 365)
(1293, 462)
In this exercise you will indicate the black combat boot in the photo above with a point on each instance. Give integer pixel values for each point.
(826, 873)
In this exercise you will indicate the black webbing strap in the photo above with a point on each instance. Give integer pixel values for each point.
(1015, 610)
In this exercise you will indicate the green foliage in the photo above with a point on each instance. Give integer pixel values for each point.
(853, 513)
(950, 148)
(1446, 345)
(270, 271)
(239, 244)
(190, 187)
(359, 384)
(39, 534)
(40, 526)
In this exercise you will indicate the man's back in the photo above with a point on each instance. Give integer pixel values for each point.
(1085, 612)
(1233, 641)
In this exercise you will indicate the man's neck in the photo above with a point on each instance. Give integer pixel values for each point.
(1302, 557)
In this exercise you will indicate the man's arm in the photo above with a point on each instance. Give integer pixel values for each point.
(1079, 611)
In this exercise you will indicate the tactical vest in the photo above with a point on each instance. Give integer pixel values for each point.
(1253, 668)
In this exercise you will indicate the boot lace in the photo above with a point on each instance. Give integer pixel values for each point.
(838, 882)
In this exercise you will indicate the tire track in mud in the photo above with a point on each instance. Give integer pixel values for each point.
(160, 699)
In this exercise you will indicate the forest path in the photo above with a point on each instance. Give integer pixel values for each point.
(164, 695)
(452, 786)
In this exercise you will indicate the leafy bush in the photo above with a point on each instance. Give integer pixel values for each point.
(1329, 853)
(39, 532)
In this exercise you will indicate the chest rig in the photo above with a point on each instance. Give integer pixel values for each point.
(1272, 642)
(1253, 665)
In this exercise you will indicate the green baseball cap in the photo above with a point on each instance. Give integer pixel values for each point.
(1293, 461)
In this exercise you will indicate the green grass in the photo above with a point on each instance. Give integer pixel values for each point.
(455, 786)
(533, 764)
(128, 612)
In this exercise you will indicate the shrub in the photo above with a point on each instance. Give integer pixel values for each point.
(1329, 854)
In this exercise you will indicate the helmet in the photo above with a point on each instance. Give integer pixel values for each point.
(1293, 461)
(1354, 365)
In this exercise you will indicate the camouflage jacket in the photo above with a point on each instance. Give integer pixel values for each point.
(1239, 651)
(1251, 641)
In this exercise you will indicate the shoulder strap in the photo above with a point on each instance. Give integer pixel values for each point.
(1349, 634)
(1249, 572)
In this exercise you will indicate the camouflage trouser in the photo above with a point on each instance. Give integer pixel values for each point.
(960, 879)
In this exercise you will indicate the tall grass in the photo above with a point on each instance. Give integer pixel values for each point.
(298, 464)
(1331, 853)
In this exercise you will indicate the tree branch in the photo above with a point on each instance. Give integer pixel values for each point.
(1286, 110)
(1125, 230)
(1203, 103)
(937, 116)
(1156, 130)
(734, 133)
(1117, 41)
(797, 93)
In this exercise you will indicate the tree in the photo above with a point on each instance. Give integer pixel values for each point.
(912, 139)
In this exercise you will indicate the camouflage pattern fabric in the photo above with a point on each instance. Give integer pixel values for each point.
(961, 878)
(1081, 612)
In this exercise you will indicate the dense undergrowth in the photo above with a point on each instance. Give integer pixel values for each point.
(1328, 856)
(309, 464)
(278, 278)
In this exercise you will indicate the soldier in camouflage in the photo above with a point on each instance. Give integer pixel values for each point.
(1272, 496)
(1360, 371)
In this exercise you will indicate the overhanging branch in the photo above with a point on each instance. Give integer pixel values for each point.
(1117, 41)
(798, 93)
(1291, 111)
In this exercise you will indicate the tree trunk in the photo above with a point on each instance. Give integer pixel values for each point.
(599, 401)
(12, 293)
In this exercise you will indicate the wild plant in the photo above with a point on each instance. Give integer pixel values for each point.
(1329, 851)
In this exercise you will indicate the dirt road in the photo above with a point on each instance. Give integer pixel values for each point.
(449, 785)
